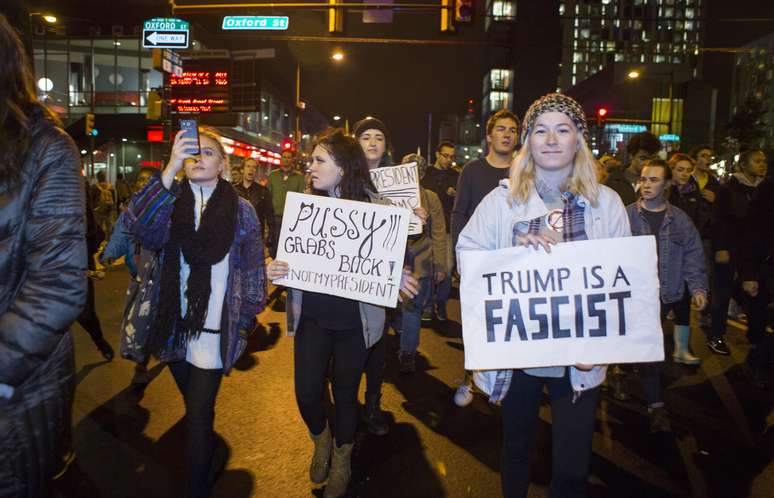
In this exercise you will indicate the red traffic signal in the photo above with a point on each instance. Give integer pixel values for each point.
(288, 144)
(602, 113)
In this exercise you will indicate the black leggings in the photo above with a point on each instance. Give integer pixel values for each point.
(572, 430)
(314, 347)
(199, 388)
(374, 367)
(88, 318)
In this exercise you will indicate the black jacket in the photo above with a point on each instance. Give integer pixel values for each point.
(730, 213)
(756, 252)
(260, 198)
(42, 290)
(695, 206)
(622, 186)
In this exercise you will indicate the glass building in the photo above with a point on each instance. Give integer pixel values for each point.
(598, 32)
(114, 79)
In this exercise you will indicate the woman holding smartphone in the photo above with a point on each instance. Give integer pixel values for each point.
(326, 326)
(553, 176)
(212, 284)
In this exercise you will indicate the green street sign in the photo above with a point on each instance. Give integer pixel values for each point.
(278, 23)
(165, 24)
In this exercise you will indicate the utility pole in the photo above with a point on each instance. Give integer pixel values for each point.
(297, 134)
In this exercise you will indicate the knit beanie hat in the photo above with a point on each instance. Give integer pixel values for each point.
(375, 124)
(555, 102)
(371, 124)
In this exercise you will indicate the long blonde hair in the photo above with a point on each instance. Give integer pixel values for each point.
(583, 179)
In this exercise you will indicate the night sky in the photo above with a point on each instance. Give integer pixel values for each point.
(402, 83)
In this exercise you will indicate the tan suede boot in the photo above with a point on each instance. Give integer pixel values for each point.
(321, 458)
(338, 480)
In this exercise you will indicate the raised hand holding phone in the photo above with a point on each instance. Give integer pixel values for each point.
(185, 146)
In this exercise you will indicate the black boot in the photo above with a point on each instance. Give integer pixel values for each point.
(105, 348)
(373, 417)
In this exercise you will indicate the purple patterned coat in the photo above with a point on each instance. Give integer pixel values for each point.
(148, 216)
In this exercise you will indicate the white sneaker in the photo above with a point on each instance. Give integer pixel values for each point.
(464, 394)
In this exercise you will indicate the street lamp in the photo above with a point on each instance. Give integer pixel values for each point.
(634, 74)
(337, 56)
(336, 118)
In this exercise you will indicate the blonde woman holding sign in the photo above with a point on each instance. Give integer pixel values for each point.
(327, 326)
(552, 196)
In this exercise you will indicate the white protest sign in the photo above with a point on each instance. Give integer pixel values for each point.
(343, 248)
(400, 184)
(593, 302)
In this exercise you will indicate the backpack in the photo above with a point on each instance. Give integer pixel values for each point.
(106, 201)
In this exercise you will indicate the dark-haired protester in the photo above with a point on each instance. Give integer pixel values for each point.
(641, 147)
(553, 172)
(88, 318)
(374, 139)
(427, 252)
(478, 178)
(708, 185)
(329, 327)
(756, 272)
(43, 282)
(731, 212)
(212, 284)
(441, 179)
(259, 197)
(680, 265)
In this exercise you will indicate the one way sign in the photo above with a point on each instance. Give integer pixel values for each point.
(155, 38)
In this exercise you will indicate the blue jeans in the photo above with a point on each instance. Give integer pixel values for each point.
(412, 317)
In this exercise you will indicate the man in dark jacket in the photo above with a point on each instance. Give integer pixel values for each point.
(641, 147)
(259, 197)
(43, 283)
(441, 179)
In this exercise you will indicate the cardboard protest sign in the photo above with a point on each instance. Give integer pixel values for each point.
(400, 184)
(343, 248)
(593, 302)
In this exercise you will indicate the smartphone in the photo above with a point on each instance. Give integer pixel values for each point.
(191, 130)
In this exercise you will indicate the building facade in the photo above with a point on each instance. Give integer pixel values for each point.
(753, 78)
(596, 33)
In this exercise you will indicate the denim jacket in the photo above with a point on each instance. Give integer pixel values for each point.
(491, 227)
(149, 217)
(680, 252)
(121, 243)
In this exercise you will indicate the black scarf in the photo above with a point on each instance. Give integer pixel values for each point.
(201, 249)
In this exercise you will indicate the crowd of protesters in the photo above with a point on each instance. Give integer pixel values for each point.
(210, 245)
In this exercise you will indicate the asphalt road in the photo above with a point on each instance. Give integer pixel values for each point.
(129, 438)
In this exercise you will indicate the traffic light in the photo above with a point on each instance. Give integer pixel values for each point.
(288, 144)
(447, 24)
(90, 130)
(335, 17)
(602, 113)
(463, 10)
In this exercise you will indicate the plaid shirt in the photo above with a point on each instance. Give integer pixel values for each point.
(574, 229)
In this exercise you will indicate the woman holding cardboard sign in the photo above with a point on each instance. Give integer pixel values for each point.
(552, 196)
(328, 326)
